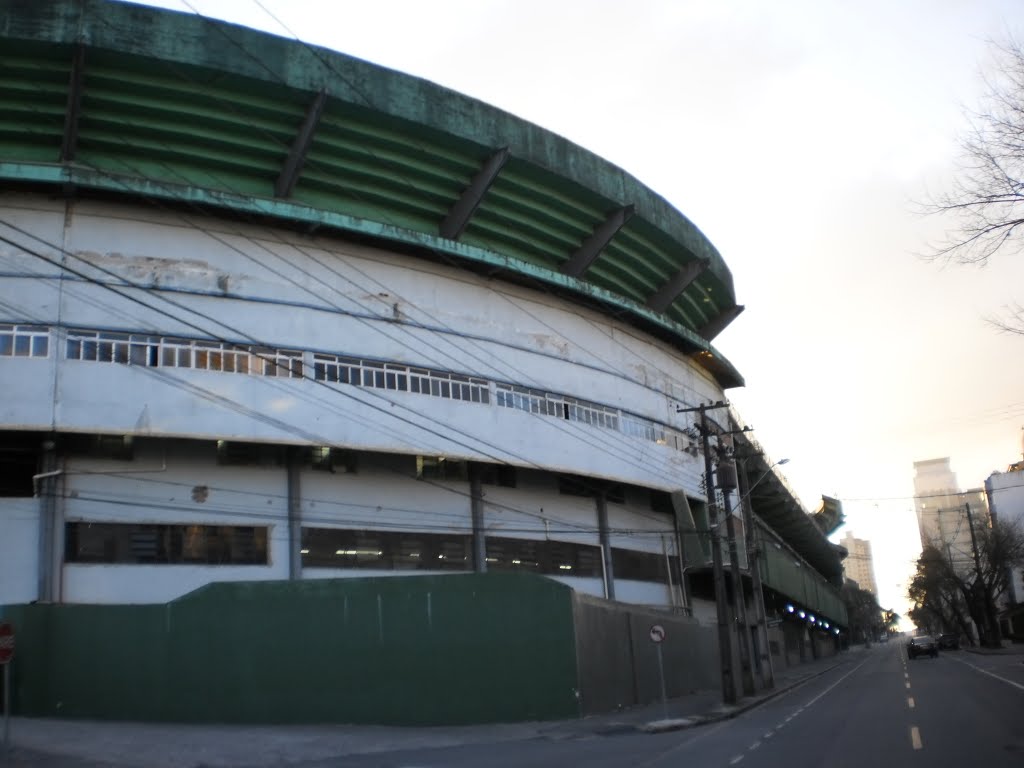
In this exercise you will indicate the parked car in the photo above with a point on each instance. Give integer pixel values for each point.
(949, 642)
(922, 645)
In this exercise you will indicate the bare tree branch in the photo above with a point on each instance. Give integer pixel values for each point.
(986, 200)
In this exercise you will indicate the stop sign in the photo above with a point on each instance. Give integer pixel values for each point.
(6, 641)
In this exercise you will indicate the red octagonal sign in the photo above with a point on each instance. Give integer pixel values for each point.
(6, 642)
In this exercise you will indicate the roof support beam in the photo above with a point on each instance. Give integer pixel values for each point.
(462, 211)
(591, 248)
(300, 148)
(73, 111)
(718, 324)
(679, 282)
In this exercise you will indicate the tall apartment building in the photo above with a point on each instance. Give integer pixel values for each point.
(859, 565)
(941, 508)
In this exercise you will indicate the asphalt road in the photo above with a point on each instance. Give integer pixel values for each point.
(879, 709)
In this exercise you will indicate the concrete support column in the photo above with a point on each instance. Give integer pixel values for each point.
(606, 545)
(294, 470)
(476, 507)
(46, 491)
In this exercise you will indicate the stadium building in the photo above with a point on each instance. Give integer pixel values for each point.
(278, 325)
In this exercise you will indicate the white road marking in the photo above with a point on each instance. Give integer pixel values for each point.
(915, 737)
(906, 675)
(910, 702)
(768, 735)
(908, 685)
(735, 759)
(990, 674)
(755, 745)
(837, 682)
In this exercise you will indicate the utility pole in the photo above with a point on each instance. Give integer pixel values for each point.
(727, 480)
(753, 555)
(721, 605)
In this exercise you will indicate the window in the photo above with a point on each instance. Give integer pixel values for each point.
(384, 550)
(230, 452)
(336, 369)
(137, 543)
(661, 502)
(24, 341)
(615, 493)
(643, 566)
(553, 558)
(498, 474)
(573, 486)
(16, 470)
(440, 468)
(151, 351)
(337, 460)
(118, 447)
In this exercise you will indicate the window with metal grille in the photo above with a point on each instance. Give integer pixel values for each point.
(384, 550)
(170, 544)
(24, 340)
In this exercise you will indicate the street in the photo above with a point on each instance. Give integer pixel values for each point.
(877, 709)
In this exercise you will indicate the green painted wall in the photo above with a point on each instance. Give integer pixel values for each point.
(412, 650)
(782, 573)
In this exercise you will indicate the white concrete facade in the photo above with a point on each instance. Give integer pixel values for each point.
(210, 286)
(1005, 492)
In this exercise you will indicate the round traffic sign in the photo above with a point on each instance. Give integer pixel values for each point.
(6, 641)
(657, 633)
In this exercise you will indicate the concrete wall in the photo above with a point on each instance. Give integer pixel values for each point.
(19, 550)
(618, 663)
(180, 482)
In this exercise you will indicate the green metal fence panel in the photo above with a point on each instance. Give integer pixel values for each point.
(415, 650)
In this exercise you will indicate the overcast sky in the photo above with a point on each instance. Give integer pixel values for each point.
(800, 136)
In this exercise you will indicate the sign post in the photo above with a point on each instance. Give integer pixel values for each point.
(657, 636)
(6, 654)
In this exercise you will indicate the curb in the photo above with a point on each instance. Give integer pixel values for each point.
(683, 723)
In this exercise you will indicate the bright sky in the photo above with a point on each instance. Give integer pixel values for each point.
(798, 135)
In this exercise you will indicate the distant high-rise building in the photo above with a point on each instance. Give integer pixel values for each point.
(859, 565)
(942, 511)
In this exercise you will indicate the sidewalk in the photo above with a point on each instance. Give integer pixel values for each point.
(1008, 649)
(51, 743)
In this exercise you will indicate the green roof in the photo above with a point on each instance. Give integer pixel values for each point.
(110, 98)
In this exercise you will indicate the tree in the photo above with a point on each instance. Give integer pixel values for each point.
(890, 620)
(863, 613)
(938, 604)
(945, 594)
(987, 197)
